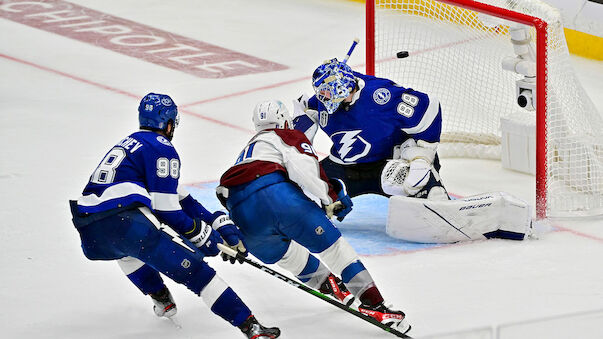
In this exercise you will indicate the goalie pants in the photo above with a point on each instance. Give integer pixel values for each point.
(134, 232)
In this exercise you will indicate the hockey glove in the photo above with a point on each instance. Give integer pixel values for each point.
(300, 105)
(343, 205)
(204, 238)
(418, 176)
(420, 155)
(231, 234)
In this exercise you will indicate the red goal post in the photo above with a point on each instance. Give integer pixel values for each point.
(568, 165)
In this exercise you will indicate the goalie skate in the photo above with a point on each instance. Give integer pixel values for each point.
(334, 287)
(387, 316)
(164, 303)
(254, 330)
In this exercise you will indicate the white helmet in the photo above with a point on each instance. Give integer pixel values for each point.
(271, 114)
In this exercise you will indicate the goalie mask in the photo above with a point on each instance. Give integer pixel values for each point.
(271, 114)
(333, 81)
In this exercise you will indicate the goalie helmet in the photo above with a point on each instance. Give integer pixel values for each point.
(333, 81)
(155, 110)
(271, 114)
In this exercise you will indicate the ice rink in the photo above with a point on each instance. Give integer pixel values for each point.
(70, 91)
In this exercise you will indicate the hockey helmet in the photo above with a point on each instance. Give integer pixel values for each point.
(333, 81)
(271, 114)
(155, 110)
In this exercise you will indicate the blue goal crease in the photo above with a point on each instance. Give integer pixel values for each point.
(363, 228)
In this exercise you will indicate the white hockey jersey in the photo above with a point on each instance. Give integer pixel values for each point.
(284, 150)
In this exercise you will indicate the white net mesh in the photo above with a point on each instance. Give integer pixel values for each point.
(456, 56)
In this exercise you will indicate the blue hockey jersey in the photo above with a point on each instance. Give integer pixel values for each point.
(382, 115)
(142, 169)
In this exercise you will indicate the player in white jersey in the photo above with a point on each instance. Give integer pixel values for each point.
(133, 211)
(279, 196)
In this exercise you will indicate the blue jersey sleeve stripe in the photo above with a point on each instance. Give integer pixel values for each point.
(116, 203)
(165, 201)
(430, 114)
(116, 191)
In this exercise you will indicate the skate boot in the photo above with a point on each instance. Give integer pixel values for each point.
(164, 303)
(254, 330)
(385, 315)
(334, 287)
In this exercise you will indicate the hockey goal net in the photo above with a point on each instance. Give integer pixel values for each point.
(456, 49)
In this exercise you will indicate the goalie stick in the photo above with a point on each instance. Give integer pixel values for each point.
(347, 56)
(229, 251)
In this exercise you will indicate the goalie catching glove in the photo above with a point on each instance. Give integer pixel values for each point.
(411, 172)
(343, 205)
(231, 235)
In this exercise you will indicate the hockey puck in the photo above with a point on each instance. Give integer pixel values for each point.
(402, 54)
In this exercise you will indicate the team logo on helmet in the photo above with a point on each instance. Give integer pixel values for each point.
(166, 101)
(382, 96)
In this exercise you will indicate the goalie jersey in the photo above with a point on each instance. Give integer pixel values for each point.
(381, 116)
(286, 151)
(142, 170)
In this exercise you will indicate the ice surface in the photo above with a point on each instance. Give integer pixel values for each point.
(65, 102)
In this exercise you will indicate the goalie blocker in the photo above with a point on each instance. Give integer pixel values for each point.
(484, 216)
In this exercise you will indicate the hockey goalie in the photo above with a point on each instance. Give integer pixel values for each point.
(384, 141)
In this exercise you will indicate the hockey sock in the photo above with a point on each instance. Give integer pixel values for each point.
(147, 279)
(371, 297)
(230, 308)
(314, 273)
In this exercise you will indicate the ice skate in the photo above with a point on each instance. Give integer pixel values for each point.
(385, 315)
(334, 287)
(254, 330)
(164, 303)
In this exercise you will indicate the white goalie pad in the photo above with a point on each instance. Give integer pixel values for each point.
(449, 221)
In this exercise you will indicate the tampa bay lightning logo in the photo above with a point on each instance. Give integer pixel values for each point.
(350, 145)
(166, 102)
(382, 96)
(164, 141)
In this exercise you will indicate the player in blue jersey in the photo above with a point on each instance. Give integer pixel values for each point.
(280, 198)
(384, 135)
(133, 211)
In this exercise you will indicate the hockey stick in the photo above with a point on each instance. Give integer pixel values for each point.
(229, 251)
(347, 56)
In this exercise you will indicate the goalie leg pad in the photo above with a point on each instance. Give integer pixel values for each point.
(426, 221)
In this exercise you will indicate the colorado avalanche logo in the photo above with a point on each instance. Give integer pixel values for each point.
(350, 145)
(324, 118)
(166, 102)
(382, 96)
